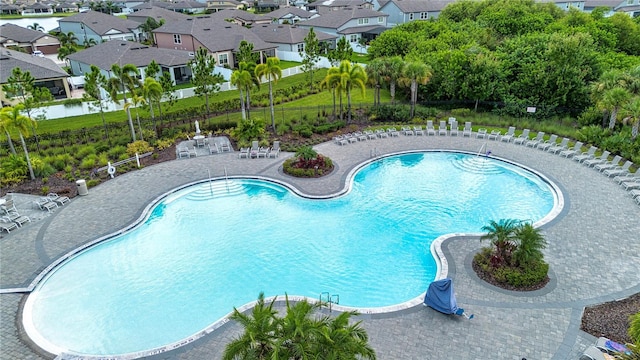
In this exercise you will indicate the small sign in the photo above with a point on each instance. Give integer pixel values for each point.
(531, 109)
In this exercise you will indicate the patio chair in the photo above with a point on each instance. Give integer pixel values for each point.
(7, 225)
(467, 129)
(16, 218)
(589, 154)
(60, 200)
(407, 131)
(609, 164)
(631, 184)
(454, 128)
(494, 135)
(393, 132)
(603, 158)
(370, 135)
(545, 145)
(523, 138)
(244, 153)
(213, 148)
(225, 146)
(417, 130)
(635, 194)
(482, 133)
(263, 151)
(535, 141)
(183, 151)
(340, 140)
(381, 133)
(624, 169)
(508, 136)
(628, 177)
(569, 153)
(45, 204)
(430, 129)
(360, 136)
(8, 205)
(442, 129)
(275, 150)
(559, 147)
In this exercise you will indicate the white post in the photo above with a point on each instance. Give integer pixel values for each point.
(138, 159)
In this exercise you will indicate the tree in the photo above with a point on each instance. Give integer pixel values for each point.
(148, 26)
(245, 53)
(152, 69)
(67, 38)
(415, 73)
(392, 73)
(331, 81)
(242, 79)
(94, 84)
(342, 340)
(530, 242)
(5, 126)
(343, 51)
(310, 54)
(123, 79)
(167, 91)
(632, 111)
(137, 100)
(272, 72)
(89, 42)
(614, 99)
(375, 71)
(206, 82)
(482, 78)
(66, 50)
(151, 91)
(12, 118)
(501, 234)
(352, 76)
(35, 26)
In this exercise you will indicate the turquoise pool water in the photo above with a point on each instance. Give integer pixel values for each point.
(212, 246)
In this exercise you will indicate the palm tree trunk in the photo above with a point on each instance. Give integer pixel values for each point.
(13, 149)
(244, 114)
(348, 105)
(414, 85)
(392, 91)
(612, 118)
(334, 103)
(132, 128)
(248, 102)
(634, 128)
(273, 116)
(26, 154)
(104, 122)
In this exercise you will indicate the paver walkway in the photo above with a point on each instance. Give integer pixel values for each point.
(594, 256)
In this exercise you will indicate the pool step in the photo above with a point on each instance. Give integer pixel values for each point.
(216, 189)
(477, 164)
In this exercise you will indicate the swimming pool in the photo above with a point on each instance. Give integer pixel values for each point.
(208, 247)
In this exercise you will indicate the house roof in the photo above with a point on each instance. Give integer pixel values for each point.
(595, 3)
(158, 13)
(101, 23)
(150, 4)
(186, 5)
(127, 52)
(344, 3)
(337, 18)
(237, 14)
(373, 29)
(413, 6)
(286, 34)
(40, 68)
(20, 34)
(290, 10)
(9, 7)
(38, 6)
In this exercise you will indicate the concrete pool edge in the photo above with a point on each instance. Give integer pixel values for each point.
(412, 303)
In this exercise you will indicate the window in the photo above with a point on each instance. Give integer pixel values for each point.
(380, 19)
(363, 21)
(353, 38)
(411, 16)
(630, 2)
(301, 48)
(424, 16)
(223, 59)
(177, 39)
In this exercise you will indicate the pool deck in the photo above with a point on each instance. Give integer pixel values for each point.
(593, 252)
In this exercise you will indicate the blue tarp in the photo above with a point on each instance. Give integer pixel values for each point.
(440, 296)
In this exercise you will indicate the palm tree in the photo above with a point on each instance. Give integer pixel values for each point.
(66, 50)
(342, 340)
(502, 237)
(272, 72)
(67, 38)
(332, 81)
(94, 82)
(4, 126)
(415, 73)
(123, 78)
(375, 71)
(242, 79)
(89, 42)
(12, 118)
(298, 332)
(352, 76)
(35, 26)
(530, 242)
(136, 101)
(259, 337)
(632, 110)
(392, 72)
(614, 99)
(152, 92)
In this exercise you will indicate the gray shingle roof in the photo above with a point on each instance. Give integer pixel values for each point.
(101, 23)
(286, 34)
(158, 13)
(150, 4)
(127, 52)
(39, 67)
(215, 34)
(413, 6)
(335, 19)
(186, 5)
(20, 34)
(283, 11)
(596, 3)
(237, 14)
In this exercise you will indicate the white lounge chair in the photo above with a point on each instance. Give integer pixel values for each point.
(263, 152)
(275, 150)
(407, 131)
(589, 154)
(7, 225)
(255, 147)
(184, 151)
(393, 131)
(454, 128)
(537, 140)
(569, 153)
(635, 194)
(442, 129)
(370, 134)
(467, 129)
(523, 138)
(430, 129)
(631, 184)
(508, 136)
(340, 140)
(244, 153)
(603, 158)
(45, 204)
(15, 217)
(494, 135)
(8, 205)
(381, 133)
(609, 164)
(213, 148)
(624, 169)
(417, 130)
(482, 133)
(60, 200)
(544, 146)
(559, 147)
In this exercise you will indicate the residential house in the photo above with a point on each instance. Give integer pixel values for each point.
(240, 17)
(290, 39)
(354, 24)
(289, 15)
(323, 7)
(99, 27)
(104, 55)
(45, 72)
(219, 5)
(270, 5)
(157, 13)
(403, 11)
(30, 40)
(222, 39)
(37, 9)
(9, 9)
(187, 7)
(65, 7)
(150, 4)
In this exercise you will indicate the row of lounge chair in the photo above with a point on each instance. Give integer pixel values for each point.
(256, 151)
(418, 130)
(187, 149)
(10, 218)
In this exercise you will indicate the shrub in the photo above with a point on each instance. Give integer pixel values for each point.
(593, 134)
(14, 167)
(116, 151)
(72, 102)
(139, 146)
(163, 144)
(85, 151)
(88, 163)
(40, 167)
(591, 116)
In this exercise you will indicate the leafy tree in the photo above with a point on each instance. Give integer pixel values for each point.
(415, 73)
(614, 99)
(206, 82)
(272, 72)
(151, 91)
(68, 38)
(137, 100)
(501, 234)
(375, 70)
(393, 42)
(245, 53)
(343, 51)
(5, 126)
(94, 84)
(152, 69)
(66, 50)
(483, 78)
(627, 32)
(12, 118)
(332, 81)
(310, 54)
(530, 242)
(351, 76)
(342, 340)
(249, 129)
(167, 91)
(123, 79)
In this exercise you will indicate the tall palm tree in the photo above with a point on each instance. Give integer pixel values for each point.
(123, 79)
(242, 79)
(152, 92)
(298, 332)
(4, 126)
(259, 337)
(392, 72)
(415, 73)
(502, 237)
(614, 99)
(375, 71)
(632, 110)
(94, 82)
(332, 81)
(67, 38)
(530, 243)
(35, 26)
(12, 118)
(352, 76)
(272, 72)
(342, 340)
